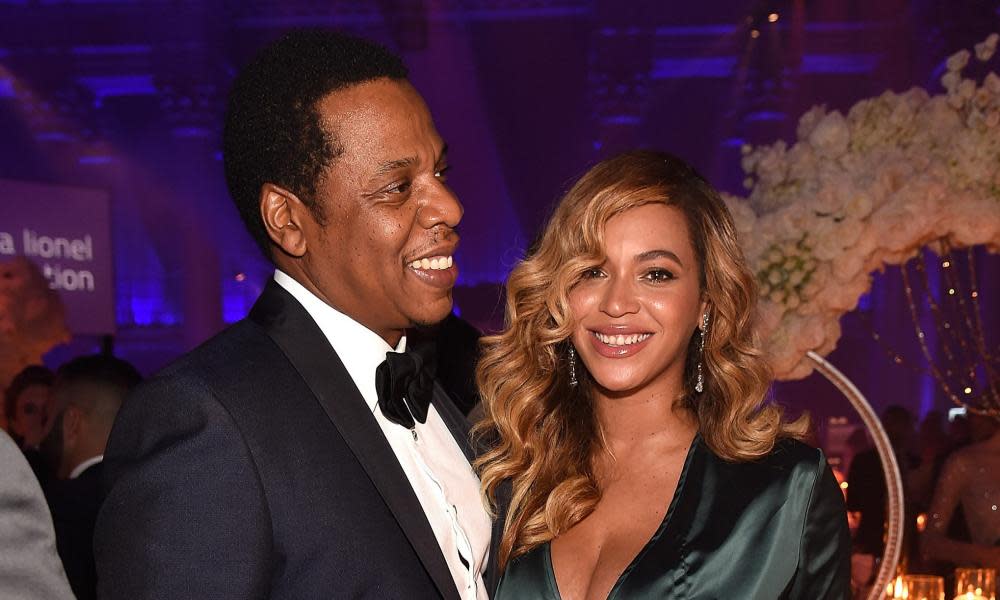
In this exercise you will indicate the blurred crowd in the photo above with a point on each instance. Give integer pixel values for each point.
(949, 469)
(61, 421)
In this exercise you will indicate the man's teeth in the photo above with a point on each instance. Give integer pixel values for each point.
(438, 263)
(621, 340)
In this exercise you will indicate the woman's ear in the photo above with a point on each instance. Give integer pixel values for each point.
(282, 213)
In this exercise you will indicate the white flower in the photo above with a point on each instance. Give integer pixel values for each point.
(848, 266)
(859, 205)
(950, 80)
(769, 316)
(858, 192)
(992, 83)
(958, 60)
(844, 297)
(967, 88)
(827, 201)
(982, 98)
(974, 221)
(808, 121)
(743, 215)
(986, 48)
(825, 241)
(830, 136)
(783, 359)
(831, 333)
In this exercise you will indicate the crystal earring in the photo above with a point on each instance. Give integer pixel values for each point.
(699, 385)
(572, 366)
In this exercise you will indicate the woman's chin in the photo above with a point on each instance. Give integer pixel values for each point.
(618, 386)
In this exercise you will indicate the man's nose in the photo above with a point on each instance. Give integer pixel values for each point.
(441, 207)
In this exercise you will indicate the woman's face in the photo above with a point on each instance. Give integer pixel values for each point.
(636, 312)
(31, 413)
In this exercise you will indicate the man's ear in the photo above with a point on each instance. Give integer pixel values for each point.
(283, 215)
(71, 422)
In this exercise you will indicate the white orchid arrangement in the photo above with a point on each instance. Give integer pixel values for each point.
(860, 191)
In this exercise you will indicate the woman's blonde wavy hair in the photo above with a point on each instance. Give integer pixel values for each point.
(541, 433)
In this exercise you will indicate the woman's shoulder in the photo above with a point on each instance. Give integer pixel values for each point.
(790, 477)
(787, 458)
(790, 452)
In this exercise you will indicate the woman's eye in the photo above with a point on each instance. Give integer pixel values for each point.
(659, 275)
(592, 274)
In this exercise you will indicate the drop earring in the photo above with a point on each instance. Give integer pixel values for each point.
(699, 385)
(572, 366)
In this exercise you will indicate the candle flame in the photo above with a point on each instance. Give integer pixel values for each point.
(898, 591)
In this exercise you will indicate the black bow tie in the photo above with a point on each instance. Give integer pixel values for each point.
(405, 384)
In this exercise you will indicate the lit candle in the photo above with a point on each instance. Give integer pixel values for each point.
(897, 590)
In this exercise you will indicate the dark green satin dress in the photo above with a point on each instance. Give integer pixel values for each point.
(770, 529)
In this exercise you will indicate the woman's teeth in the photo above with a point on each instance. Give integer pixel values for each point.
(438, 263)
(621, 340)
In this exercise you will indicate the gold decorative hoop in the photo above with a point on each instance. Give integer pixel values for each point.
(890, 468)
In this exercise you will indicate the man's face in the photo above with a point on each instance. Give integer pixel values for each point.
(383, 255)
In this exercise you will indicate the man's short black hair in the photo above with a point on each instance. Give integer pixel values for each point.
(102, 370)
(273, 132)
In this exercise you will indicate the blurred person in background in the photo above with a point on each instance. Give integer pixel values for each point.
(28, 406)
(933, 447)
(30, 413)
(866, 493)
(88, 392)
(29, 567)
(969, 481)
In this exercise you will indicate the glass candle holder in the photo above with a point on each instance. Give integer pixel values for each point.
(975, 584)
(917, 587)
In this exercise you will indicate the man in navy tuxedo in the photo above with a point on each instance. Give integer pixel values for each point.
(305, 452)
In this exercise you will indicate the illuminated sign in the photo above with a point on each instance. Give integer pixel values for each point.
(67, 233)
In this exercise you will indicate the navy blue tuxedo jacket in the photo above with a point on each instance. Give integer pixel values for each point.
(252, 468)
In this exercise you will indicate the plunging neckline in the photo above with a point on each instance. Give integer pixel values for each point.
(550, 571)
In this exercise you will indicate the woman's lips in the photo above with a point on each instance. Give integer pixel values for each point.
(609, 346)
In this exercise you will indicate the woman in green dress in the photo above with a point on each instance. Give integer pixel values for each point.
(625, 409)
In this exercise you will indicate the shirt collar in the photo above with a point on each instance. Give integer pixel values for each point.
(80, 468)
(359, 348)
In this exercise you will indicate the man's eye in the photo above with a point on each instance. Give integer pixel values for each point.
(399, 188)
(442, 173)
(593, 273)
(659, 275)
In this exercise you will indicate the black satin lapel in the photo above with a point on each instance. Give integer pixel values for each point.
(298, 336)
(457, 424)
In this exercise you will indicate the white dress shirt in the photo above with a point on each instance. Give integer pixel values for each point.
(438, 471)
